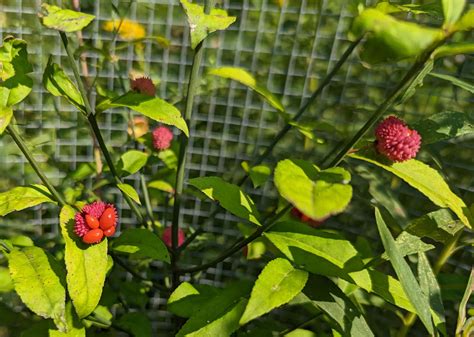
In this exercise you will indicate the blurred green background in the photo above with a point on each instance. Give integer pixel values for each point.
(289, 46)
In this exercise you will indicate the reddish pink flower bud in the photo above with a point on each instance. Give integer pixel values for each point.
(87, 221)
(162, 137)
(396, 140)
(167, 237)
(143, 85)
(295, 212)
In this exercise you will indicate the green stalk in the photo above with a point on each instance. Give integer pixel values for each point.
(183, 140)
(146, 197)
(29, 156)
(95, 128)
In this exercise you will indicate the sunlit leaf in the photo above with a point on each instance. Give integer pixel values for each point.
(132, 161)
(466, 22)
(404, 273)
(242, 76)
(19, 198)
(140, 242)
(229, 196)
(454, 49)
(130, 192)
(258, 174)
(161, 185)
(6, 114)
(276, 285)
(452, 10)
(74, 326)
(65, 20)
(201, 24)
(463, 305)
(86, 266)
(317, 193)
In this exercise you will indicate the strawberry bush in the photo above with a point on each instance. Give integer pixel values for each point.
(73, 284)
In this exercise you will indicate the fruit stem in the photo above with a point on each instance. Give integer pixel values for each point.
(31, 159)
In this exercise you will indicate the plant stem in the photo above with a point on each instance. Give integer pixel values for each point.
(146, 197)
(183, 140)
(240, 243)
(29, 156)
(388, 103)
(95, 128)
(448, 250)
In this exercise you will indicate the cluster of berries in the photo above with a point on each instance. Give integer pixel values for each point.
(95, 221)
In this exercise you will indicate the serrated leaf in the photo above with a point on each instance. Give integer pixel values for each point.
(316, 193)
(58, 83)
(20, 198)
(38, 280)
(402, 269)
(15, 84)
(392, 39)
(220, 315)
(201, 24)
(86, 266)
(430, 286)
(229, 196)
(456, 81)
(422, 177)
(141, 242)
(132, 161)
(242, 76)
(137, 323)
(130, 192)
(439, 225)
(152, 107)
(452, 10)
(327, 297)
(445, 125)
(278, 283)
(64, 20)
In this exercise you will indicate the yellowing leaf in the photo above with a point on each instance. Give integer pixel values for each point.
(19, 198)
(64, 20)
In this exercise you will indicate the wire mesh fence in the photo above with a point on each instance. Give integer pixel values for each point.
(289, 46)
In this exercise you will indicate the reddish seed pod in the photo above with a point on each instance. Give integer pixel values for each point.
(109, 231)
(108, 218)
(92, 221)
(93, 236)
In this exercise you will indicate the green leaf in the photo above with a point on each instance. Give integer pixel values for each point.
(328, 298)
(6, 283)
(432, 291)
(38, 280)
(161, 185)
(20, 198)
(187, 299)
(452, 10)
(64, 19)
(137, 323)
(300, 333)
(141, 243)
(6, 114)
(454, 49)
(432, 9)
(318, 194)
(463, 305)
(327, 253)
(15, 84)
(86, 266)
(130, 191)
(466, 22)
(220, 315)
(422, 177)
(403, 271)
(74, 326)
(152, 107)
(242, 76)
(445, 125)
(58, 83)
(416, 82)
(392, 39)
(278, 283)
(439, 225)
(229, 196)
(132, 161)
(201, 24)
(456, 81)
(408, 244)
(169, 158)
(258, 174)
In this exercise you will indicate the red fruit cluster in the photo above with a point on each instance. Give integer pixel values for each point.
(144, 85)
(162, 137)
(95, 221)
(396, 140)
(167, 237)
(296, 213)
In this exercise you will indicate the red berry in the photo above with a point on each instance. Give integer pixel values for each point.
(92, 221)
(109, 231)
(108, 218)
(93, 236)
(167, 237)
